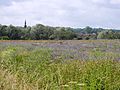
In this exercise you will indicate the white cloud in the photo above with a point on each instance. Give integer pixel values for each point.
(99, 1)
(75, 13)
(115, 1)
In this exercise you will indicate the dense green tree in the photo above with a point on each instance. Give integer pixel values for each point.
(3, 30)
(41, 32)
(62, 33)
(13, 32)
(88, 30)
(37, 32)
(25, 33)
(108, 34)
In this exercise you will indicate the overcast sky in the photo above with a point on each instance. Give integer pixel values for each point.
(73, 13)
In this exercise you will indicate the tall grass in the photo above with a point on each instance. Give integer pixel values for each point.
(21, 69)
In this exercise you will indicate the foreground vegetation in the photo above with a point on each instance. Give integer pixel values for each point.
(23, 68)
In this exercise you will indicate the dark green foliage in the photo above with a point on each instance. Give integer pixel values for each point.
(109, 35)
(14, 33)
(63, 34)
(4, 38)
(3, 30)
(88, 30)
(41, 32)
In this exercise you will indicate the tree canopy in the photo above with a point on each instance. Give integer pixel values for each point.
(42, 32)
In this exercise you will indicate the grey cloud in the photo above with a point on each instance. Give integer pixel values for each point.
(75, 13)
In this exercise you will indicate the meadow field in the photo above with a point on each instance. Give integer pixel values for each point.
(60, 65)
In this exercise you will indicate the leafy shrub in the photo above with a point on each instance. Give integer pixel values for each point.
(4, 38)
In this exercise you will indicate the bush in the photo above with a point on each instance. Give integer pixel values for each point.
(4, 38)
(109, 34)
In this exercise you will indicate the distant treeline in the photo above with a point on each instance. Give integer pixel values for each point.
(41, 32)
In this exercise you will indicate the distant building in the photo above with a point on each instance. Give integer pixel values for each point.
(25, 25)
